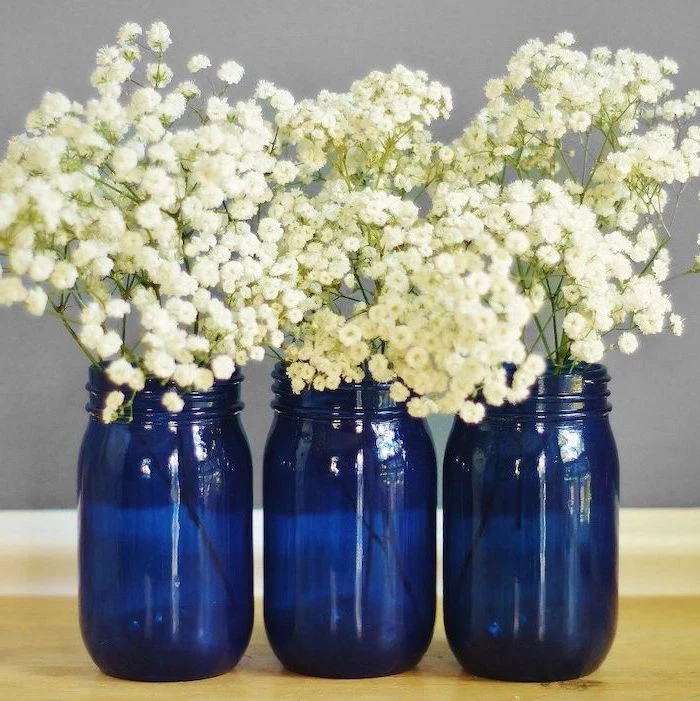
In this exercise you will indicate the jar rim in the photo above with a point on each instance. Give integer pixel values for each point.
(223, 397)
(582, 391)
(279, 372)
(98, 378)
(579, 379)
(349, 400)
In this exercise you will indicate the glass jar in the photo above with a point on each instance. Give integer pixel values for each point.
(530, 533)
(349, 547)
(165, 535)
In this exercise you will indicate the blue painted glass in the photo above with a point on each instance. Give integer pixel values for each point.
(165, 521)
(349, 497)
(530, 533)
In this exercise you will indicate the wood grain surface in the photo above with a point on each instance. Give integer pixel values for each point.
(656, 656)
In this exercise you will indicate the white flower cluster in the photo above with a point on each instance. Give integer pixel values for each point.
(562, 258)
(593, 246)
(422, 301)
(133, 226)
(339, 234)
(377, 131)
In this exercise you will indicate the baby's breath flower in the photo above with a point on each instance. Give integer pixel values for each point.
(223, 367)
(11, 291)
(173, 402)
(108, 344)
(564, 39)
(471, 412)
(114, 399)
(198, 63)
(158, 37)
(188, 89)
(218, 108)
(576, 326)
(677, 324)
(230, 72)
(282, 100)
(128, 33)
(591, 250)
(117, 308)
(159, 74)
(389, 289)
(627, 342)
(143, 224)
(36, 301)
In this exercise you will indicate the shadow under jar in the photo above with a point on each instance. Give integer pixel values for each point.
(349, 547)
(165, 535)
(530, 533)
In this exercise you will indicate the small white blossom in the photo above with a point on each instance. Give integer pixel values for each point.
(114, 399)
(197, 63)
(472, 413)
(218, 108)
(159, 74)
(113, 402)
(109, 344)
(677, 324)
(203, 379)
(173, 402)
(129, 32)
(41, 268)
(230, 72)
(222, 367)
(158, 36)
(627, 343)
(11, 291)
(282, 100)
(117, 308)
(188, 89)
(36, 301)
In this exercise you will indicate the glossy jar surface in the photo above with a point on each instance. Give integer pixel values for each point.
(349, 511)
(530, 533)
(165, 535)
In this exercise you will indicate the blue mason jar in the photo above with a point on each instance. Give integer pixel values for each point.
(165, 535)
(530, 533)
(349, 548)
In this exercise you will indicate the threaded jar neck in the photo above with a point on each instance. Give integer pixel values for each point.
(224, 398)
(349, 401)
(579, 392)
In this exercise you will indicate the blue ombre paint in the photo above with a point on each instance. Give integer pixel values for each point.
(530, 533)
(165, 512)
(349, 510)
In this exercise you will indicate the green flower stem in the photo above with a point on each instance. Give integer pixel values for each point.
(58, 313)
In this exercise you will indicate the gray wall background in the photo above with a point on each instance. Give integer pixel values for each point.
(306, 45)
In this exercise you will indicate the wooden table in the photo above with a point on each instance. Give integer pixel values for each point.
(656, 654)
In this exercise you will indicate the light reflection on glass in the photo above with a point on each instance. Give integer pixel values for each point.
(388, 443)
(176, 500)
(542, 609)
(576, 473)
(570, 444)
(359, 541)
(334, 465)
(200, 447)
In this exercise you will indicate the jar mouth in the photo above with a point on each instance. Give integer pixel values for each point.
(223, 397)
(579, 391)
(349, 400)
(580, 379)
